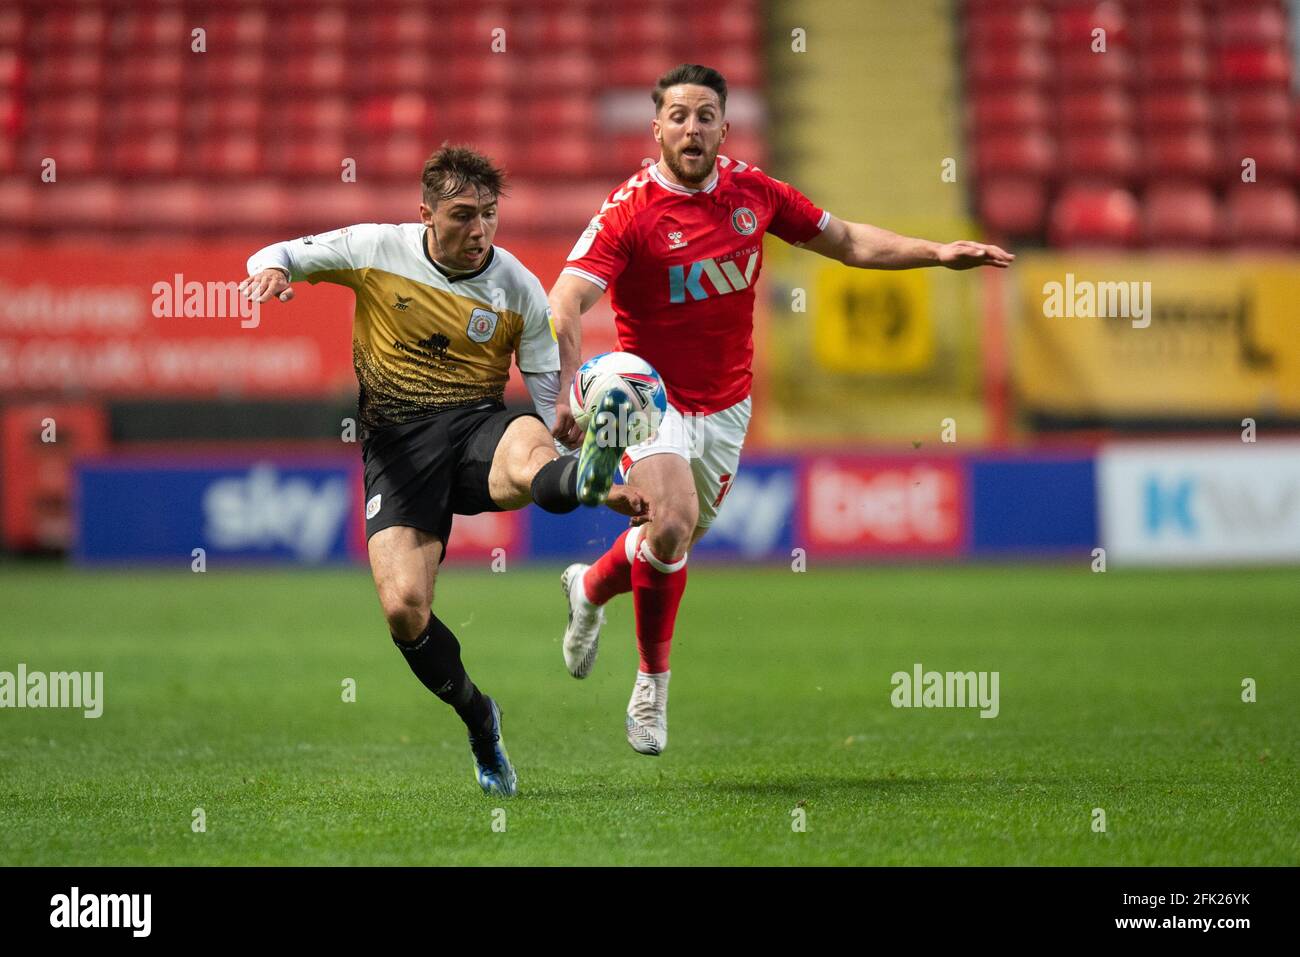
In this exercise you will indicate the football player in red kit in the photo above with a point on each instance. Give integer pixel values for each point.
(679, 248)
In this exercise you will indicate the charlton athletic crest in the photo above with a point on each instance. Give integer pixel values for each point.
(482, 323)
(744, 220)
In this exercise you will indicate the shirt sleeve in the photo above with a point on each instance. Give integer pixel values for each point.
(603, 249)
(544, 387)
(537, 350)
(336, 256)
(796, 219)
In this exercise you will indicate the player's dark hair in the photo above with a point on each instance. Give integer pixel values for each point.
(452, 168)
(694, 74)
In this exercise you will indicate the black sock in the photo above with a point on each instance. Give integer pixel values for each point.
(555, 486)
(435, 659)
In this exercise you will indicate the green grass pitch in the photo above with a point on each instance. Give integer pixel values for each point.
(223, 691)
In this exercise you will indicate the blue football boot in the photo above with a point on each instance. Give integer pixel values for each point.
(492, 767)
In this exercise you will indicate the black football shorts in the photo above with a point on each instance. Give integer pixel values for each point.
(421, 473)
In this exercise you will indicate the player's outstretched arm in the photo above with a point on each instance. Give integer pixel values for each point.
(870, 247)
(569, 298)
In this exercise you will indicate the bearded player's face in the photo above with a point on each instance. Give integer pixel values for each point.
(690, 130)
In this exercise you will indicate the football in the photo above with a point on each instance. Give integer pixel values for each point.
(638, 381)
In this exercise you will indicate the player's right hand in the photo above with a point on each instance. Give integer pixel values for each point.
(566, 428)
(267, 284)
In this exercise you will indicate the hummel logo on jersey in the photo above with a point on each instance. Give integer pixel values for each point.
(402, 302)
(725, 277)
(675, 240)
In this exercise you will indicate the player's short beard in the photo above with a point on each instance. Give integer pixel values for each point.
(682, 176)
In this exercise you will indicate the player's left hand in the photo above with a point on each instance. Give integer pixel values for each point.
(964, 254)
(628, 501)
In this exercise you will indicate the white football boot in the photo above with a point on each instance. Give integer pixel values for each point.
(582, 637)
(647, 713)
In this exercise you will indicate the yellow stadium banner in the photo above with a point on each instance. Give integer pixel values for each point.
(1157, 337)
(872, 322)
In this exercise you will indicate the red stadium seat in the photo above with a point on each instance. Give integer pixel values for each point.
(404, 113)
(1008, 109)
(1013, 206)
(573, 116)
(1274, 153)
(990, 27)
(232, 74)
(13, 27)
(1082, 69)
(1254, 109)
(1175, 26)
(231, 154)
(1258, 26)
(241, 111)
(1028, 154)
(179, 205)
(18, 204)
(67, 27)
(1024, 66)
(552, 156)
(1101, 154)
(149, 72)
(153, 154)
(399, 157)
(143, 29)
(544, 74)
(330, 205)
(8, 155)
(319, 156)
(1180, 214)
(399, 71)
(239, 30)
(1171, 67)
(563, 29)
(321, 72)
(1087, 215)
(1247, 66)
(727, 25)
(487, 114)
(316, 28)
(64, 71)
(404, 27)
(13, 69)
(637, 26)
(1185, 154)
(1257, 214)
(480, 73)
(90, 204)
(324, 116)
(1073, 24)
(12, 114)
(72, 112)
(159, 111)
(1101, 109)
(72, 152)
(256, 206)
(1177, 109)
(629, 152)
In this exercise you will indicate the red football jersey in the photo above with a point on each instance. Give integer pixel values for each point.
(680, 266)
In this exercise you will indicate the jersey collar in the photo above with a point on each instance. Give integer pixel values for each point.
(672, 187)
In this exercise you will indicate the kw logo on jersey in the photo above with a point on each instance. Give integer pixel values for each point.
(724, 276)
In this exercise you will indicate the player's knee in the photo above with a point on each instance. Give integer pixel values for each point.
(406, 609)
(670, 534)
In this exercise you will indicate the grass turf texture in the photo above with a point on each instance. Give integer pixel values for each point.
(223, 691)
